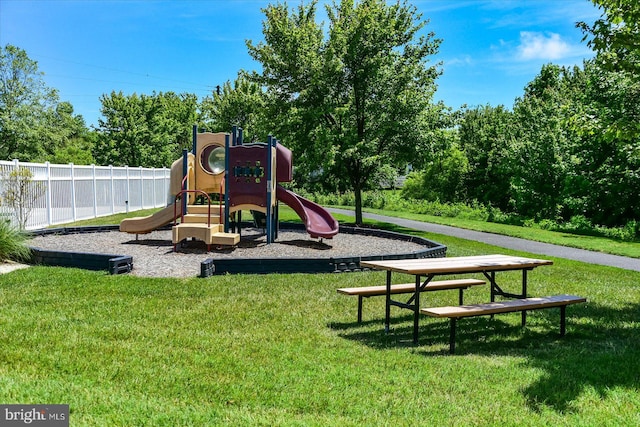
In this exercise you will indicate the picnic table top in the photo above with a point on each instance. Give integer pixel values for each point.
(453, 265)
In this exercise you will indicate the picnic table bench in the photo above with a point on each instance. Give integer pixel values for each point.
(406, 288)
(523, 304)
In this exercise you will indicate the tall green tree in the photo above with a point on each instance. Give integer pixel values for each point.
(124, 131)
(352, 99)
(487, 135)
(615, 103)
(35, 125)
(603, 175)
(144, 130)
(442, 178)
(564, 158)
(543, 142)
(67, 139)
(25, 101)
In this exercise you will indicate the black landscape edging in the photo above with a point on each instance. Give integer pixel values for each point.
(321, 265)
(116, 264)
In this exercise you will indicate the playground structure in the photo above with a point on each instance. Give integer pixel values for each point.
(222, 176)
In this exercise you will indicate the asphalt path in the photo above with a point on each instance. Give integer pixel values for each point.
(515, 243)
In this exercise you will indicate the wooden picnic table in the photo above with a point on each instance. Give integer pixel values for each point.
(488, 265)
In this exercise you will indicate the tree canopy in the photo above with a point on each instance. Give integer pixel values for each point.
(34, 124)
(350, 101)
(239, 105)
(616, 35)
(145, 130)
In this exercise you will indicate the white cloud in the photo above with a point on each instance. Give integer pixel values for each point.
(547, 46)
(461, 61)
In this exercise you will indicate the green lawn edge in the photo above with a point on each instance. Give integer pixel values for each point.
(592, 243)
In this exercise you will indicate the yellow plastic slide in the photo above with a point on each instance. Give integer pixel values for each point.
(146, 224)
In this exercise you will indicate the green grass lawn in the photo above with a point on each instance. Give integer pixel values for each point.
(286, 350)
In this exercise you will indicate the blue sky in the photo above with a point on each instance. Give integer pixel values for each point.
(490, 48)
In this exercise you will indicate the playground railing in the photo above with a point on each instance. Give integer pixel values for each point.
(179, 197)
(221, 199)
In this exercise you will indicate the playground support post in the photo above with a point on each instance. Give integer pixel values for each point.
(185, 172)
(227, 143)
(271, 143)
(194, 139)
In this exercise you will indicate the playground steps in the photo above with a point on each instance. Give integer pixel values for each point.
(203, 223)
(201, 218)
(226, 239)
(210, 234)
(203, 209)
(201, 213)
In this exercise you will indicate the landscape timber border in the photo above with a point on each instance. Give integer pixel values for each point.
(122, 263)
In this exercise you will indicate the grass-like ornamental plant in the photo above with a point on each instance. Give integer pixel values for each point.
(13, 243)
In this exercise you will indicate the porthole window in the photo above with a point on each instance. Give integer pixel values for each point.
(212, 159)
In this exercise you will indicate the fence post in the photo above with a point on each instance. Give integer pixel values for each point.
(48, 200)
(74, 214)
(126, 168)
(155, 203)
(113, 196)
(141, 189)
(16, 166)
(95, 191)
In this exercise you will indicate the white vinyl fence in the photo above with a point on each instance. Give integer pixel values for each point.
(66, 193)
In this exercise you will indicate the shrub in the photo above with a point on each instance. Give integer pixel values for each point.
(632, 230)
(579, 224)
(442, 179)
(21, 193)
(397, 200)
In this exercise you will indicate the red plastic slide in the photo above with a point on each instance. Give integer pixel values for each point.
(317, 220)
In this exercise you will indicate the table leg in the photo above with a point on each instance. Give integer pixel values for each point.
(494, 287)
(416, 310)
(524, 295)
(452, 335)
(387, 314)
(492, 279)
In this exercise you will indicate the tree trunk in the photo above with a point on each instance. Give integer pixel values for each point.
(357, 190)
